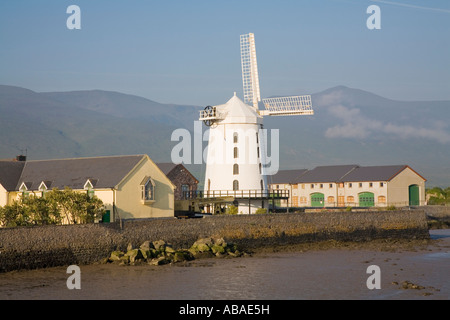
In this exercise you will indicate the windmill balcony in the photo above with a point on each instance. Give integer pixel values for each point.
(210, 114)
(237, 194)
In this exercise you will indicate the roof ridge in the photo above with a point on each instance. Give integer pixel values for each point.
(83, 158)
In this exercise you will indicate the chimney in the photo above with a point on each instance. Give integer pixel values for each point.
(21, 158)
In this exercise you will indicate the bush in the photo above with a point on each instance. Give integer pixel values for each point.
(232, 210)
(261, 211)
(52, 208)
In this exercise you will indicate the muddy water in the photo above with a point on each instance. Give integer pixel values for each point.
(314, 274)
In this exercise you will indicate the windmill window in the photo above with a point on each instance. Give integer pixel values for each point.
(235, 169)
(236, 152)
(260, 168)
(235, 137)
(235, 185)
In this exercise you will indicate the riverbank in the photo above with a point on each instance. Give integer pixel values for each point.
(49, 246)
(410, 270)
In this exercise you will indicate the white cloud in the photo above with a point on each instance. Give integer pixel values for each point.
(357, 126)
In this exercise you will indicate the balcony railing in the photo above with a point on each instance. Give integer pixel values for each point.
(252, 194)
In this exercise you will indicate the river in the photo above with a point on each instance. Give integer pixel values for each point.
(335, 273)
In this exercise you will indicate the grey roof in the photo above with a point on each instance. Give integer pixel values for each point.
(166, 167)
(10, 172)
(286, 176)
(327, 173)
(374, 173)
(105, 172)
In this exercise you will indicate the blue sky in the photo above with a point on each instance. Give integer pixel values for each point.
(187, 52)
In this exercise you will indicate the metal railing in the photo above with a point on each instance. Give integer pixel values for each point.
(257, 194)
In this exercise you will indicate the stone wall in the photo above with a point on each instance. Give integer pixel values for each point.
(46, 246)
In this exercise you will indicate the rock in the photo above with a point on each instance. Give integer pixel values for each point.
(135, 254)
(218, 249)
(159, 245)
(182, 255)
(116, 255)
(159, 261)
(146, 246)
(129, 247)
(169, 249)
(220, 242)
(202, 245)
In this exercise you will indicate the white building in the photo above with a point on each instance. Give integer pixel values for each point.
(234, 167)
(352, 186)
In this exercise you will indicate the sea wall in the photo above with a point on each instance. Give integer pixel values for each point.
(46, 246)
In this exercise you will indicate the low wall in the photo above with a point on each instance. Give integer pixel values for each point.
(46, 246)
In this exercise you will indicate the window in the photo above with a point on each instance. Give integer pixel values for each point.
(43, 188)
(257, 151)
(381, 184)
(370, 184)
(260, 168)
(235, 185)
(312, 185)
(331, 185)
(235, 169)
(330, 199)
(235, 137)
(257, 138)
(185, 188)
(381, 199)
(360, 184)
(321, 186)
(147, 189)
(350, 185)
(262, 185)
(303, 200)
(350, 199)
(89, 188)
(236, 152)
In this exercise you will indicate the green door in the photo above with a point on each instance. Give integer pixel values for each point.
(107, 216)
(366, 199)
(413, 195)
(317, 199)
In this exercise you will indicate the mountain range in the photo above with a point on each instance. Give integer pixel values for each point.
(349, 126)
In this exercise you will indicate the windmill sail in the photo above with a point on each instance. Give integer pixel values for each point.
(250, 70)
(280, 106)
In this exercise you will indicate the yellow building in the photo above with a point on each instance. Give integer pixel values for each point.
(130, 187)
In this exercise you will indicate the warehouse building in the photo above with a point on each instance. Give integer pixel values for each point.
(351, 186)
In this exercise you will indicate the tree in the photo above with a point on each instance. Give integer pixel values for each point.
(14, 215)
(77, 207)
(54, 207)
(438, 196)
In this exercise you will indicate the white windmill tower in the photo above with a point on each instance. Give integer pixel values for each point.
(236, 149)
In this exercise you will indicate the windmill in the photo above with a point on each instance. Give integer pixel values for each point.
(236, 149)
